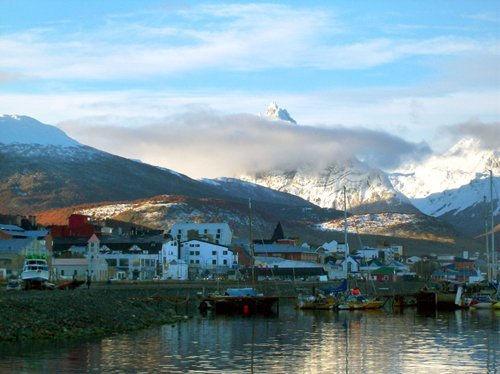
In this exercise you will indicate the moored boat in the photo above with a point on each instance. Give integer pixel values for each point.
(318, 302)
(239, 301)
(359, 302)
(483, 302)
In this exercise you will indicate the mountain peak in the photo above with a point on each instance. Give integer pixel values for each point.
(275, 112)
(17, 129)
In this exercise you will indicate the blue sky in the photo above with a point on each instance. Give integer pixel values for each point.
(405, 67)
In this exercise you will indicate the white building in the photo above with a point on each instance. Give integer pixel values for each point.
(334, 247)
(218, 233)
(413, 260)
(172, 266)
(70, 268)
(208, 256)
(141, 266)
(97, 267)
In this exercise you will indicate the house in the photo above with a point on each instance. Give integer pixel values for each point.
(368, 253)
(333, 247)
(384, 274)
(78, 225)
(69, 268)
(204, 255)
(215, 232)
(13, 252)
(134, 266)
(350, 265)
(276, 267)
(173, 266)
(288, 252)
(413, 260)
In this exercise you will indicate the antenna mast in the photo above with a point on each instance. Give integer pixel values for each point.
(345, 233)
(493, 254)
(250, 246)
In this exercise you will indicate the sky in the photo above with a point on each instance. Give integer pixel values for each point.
(406, 69)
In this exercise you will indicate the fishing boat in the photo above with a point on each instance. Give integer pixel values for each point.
(359, 302)
(239, 301)
(325, 299)
(35, 270)
(316, 302)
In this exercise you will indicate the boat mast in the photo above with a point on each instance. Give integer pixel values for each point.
(488, 262)
(493, 254)
(346, 253)
(250, 246)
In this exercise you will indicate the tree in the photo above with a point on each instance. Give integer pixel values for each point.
(424, 269)
(193, 235)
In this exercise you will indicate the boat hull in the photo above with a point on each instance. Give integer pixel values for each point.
(35, 276)
(241, 304)
(323, 304)
(361, 305)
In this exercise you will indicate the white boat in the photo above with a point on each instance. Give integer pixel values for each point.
(35, 270)
(482, 302)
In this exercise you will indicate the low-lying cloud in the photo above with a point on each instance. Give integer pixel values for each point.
(207, 144)
(487, 133)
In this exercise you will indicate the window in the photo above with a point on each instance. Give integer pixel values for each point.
(191, 253)
(123, 262)
(111, 261)
(214, 262)
(224, 253)
(214, 253)
(197, 245)
(197, 261)
(216, 241)
(191, 245)
(218, 231)
(180, 231)
(205, 231)
(62, 272)
(191, 261)
(217, 236)
(225, 262)
(197, 253)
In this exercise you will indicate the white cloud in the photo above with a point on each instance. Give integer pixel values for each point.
(224, 37)
(207, 144)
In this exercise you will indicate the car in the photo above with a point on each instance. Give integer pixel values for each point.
(14, 285)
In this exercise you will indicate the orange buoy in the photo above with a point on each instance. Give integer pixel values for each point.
(245, 309)
(355, 291)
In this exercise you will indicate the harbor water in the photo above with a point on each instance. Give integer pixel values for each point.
(379, 341)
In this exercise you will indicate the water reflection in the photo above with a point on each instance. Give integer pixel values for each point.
(293, 342)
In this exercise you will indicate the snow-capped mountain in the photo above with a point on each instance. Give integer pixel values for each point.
(16, 129)
(462, 163)
(276, 113)
(43, 168)
(367, 189)
(452, 185)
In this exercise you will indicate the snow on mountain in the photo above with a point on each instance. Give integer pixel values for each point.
(277, 113)
(367, 189)
(416, 226)
(16, 129)
(452, 181)
(462, 163)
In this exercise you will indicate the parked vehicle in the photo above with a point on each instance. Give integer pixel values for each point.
(14, 285)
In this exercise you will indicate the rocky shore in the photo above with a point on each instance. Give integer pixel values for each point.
(80, 313)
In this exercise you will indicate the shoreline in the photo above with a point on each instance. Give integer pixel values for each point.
(82, 313)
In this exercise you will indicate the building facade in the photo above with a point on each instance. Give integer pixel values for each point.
(218, 233)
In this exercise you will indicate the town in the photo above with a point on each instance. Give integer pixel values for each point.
(122, 252)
